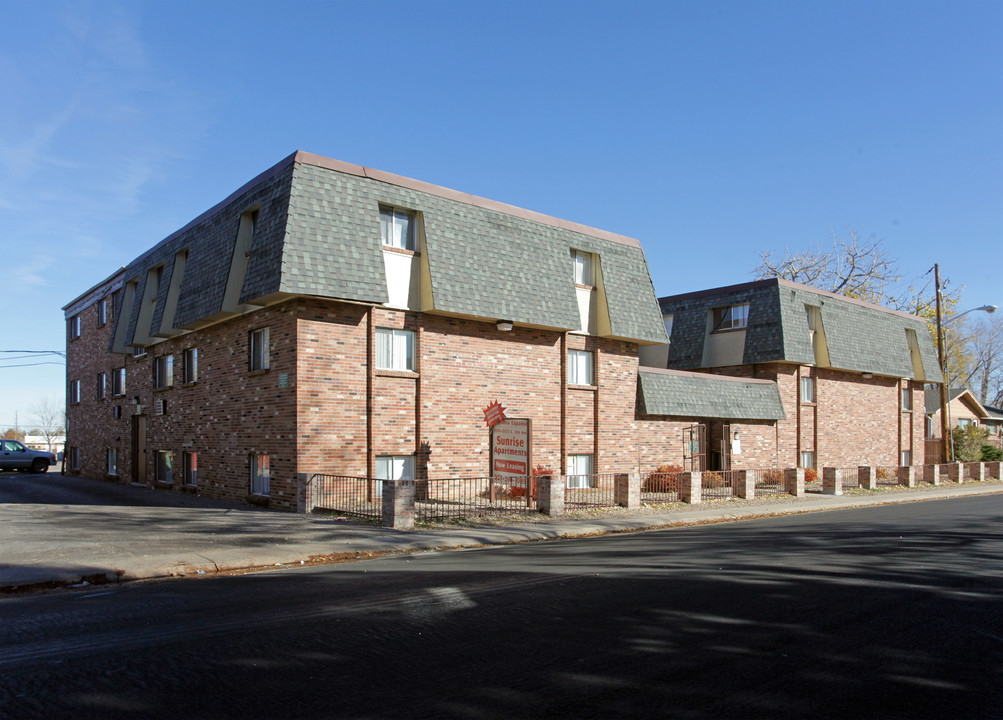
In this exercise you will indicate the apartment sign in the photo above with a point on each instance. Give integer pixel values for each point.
(510, 448)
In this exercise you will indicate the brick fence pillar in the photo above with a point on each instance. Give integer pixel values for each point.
(907, 476)
(398, 504)
(550, 494)
(867, 477)
(976, 471)
(794, 481)
(993, 470)
(690, 487)
(954, 472)
(931, 474)
(305, 493)
(832, 481)
(743, 484)
(627, 490)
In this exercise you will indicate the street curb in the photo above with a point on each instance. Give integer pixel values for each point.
(192, 564)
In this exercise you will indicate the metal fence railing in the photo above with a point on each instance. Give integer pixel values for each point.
(716, 484)
(660, 487)
(357, 496)
(850, 477)
(769, 482)
(583, 492)
(886, 475)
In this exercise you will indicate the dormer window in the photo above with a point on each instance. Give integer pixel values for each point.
(397, 227)
(732, 317)
(583, 267)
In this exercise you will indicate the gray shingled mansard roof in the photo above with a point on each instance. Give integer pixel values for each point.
(699, 395)
(318, 234)
(861, 336)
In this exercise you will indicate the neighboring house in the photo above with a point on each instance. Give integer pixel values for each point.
(850, 374)
(994, 423)
(963, 409)
(332, 318)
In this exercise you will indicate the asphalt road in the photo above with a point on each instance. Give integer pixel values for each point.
(891, 612)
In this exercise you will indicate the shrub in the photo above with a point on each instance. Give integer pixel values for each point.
(881, 474)
(663, 479)
(774, 476)
(712, 480)
(968, 442)
(991, 454)
(810, 475)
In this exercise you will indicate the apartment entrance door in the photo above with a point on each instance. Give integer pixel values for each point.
(139, 449)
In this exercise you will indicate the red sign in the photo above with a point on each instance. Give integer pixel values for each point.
(494, 414)
(510, 441)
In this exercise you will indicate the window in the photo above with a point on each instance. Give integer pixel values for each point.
(393, 467)
(580, 471)
(807, 389)
(906, 399)
(138, 352)
(733, 317)
(112, 461)
(579, 367)
(74, 458)
(118, 382)
(258, 345)
(808, 458)
(103, 311)
(74, 391)
(191, 365)
(116, 412)
(74, 327)
(583, 267)
(668, 325)
(163, 372)
(966, 422)
(906, 458)
(260, 474)
(394, 349)
(929, 426)
(165, 467)
(397, 227)
(102, 385)
(191, 469)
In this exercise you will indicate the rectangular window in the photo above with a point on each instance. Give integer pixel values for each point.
(191, 365)
(583, 267)
(668, 325)
(929, 426)
(906, 458)
(808, 458)
(112, 461)
(102, 311)
(579, 367)
(74, 458)
(116, 412)
(258, 348)
(191, 461)
(906, 399)
(965, 422)
(118, 381)
(102, 385)
(260, 474)
(165, 466)
(393, 467)
(579, 473)
(397, 227)
(163, 371)
(733, 317)
(74, 391)
(138, 352)
(74, 327)
(394, 349)
(807, 389)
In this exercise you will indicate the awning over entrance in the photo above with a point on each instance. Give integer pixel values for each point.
(700, 395)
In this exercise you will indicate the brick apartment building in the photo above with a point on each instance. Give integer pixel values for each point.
(331, 318)
(850, 374)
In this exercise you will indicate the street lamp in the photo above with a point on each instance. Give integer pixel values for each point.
(944, 456)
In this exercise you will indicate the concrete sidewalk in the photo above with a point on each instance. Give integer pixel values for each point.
(47, 545)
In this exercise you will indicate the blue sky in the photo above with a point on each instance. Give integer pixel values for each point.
(707, 130)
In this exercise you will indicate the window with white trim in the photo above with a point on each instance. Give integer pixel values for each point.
(905, 459)
(101, 388)
(258, 349)
(808, 459)
(583, 267)
(103, 311)
(579, 367)
(163, 372)
(393, 467)
(906, 398)
(165, 466)
(807, 389)
(74, 391)
(732, 317)
(191, 365)
(138, 352)
(260, 474)
(966, 422)
(397, 227)
(580, 472)
(74, 327)
(112, 461)
(118, 381)
(191, 468)
(394, 349)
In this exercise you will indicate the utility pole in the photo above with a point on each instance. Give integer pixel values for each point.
(943, 370)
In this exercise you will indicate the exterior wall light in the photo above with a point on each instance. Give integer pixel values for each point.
(505, 325)
(868, 376)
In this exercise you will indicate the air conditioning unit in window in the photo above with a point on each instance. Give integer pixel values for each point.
(161, 407)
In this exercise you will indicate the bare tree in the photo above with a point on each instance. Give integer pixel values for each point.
(50, 418)
(984, 370)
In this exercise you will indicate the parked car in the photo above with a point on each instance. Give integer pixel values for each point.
(15, 456)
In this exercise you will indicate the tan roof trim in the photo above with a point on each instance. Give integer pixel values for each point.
(457, 196)
(703, 376)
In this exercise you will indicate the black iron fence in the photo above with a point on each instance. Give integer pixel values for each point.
(358, 496)
(460, 498)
